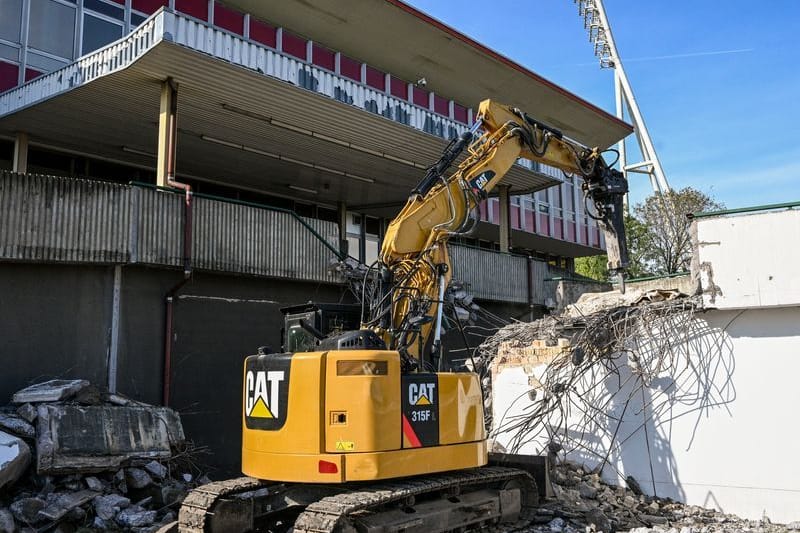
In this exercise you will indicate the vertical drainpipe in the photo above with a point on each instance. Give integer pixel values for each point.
(167, 139)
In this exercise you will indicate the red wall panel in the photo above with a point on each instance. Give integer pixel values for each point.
(421, 97)
(228, 19)
(31, 74)
(193, 8)
(376, 79)
(559, 228)
(441, 105)
(9, 74)
(148, 6)
(515, 221)
(323, 57)
(263, 33)
(294, 45)
(530, 222)
(544, 224)
(460, 113)
(399, 88)
(350, 67)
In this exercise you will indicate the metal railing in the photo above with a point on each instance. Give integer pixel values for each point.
(495, 276)
(54, 219)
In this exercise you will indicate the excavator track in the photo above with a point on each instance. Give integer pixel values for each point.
(485, 499)
(360, 510)
(196, 509)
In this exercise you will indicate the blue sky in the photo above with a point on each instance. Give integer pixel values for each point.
(718, 83)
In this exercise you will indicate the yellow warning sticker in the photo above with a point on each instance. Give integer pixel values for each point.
(260, 410)
(345, 446)
(423, 400)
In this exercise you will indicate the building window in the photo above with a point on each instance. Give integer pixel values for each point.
(98, 32)
(52, 28)
(104, 8)
(11, 20)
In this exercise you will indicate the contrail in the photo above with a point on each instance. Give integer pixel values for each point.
(671, 56)
(690, 54)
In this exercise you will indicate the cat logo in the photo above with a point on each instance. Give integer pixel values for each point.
(263, 393)
(421, 393)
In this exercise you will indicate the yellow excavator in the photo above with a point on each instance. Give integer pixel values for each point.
(368, 432)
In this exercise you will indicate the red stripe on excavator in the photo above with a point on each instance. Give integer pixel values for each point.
(408, 431)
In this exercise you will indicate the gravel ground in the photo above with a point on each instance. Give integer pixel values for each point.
(584, 503)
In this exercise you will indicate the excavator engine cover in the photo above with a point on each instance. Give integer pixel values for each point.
(351, 415)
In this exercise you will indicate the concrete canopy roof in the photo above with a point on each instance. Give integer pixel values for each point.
(407, 43)
(116, 117)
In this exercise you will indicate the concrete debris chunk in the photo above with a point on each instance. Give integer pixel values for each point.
(28, 412)
(157, 469)
(7, 522)
(107, 507)
(136, 516)
(92, 483)
(136, 478)
(50, 391)
(26, 510)
(15, 456)
(85, 439)
(64, 503)
(16, 425)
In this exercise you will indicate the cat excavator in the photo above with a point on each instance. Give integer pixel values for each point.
(370, 431)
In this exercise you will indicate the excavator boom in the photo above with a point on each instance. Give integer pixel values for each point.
(414, 251)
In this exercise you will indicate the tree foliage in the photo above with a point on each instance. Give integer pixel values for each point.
(659, 240)
(666, 246)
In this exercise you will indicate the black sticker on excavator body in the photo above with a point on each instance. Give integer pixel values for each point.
(420, 410)
(266, 391)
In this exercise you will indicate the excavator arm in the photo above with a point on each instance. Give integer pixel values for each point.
(414, 259)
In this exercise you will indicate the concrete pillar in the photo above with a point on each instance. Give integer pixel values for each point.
(20, 163)
(505, 218)
(167, 133)
(341, 215)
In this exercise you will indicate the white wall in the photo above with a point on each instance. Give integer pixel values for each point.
(727, 434)
(749, 260)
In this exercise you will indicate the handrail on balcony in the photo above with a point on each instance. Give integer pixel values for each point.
(298, 218)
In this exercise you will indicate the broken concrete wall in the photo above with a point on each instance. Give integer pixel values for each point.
(77, 438)
(713, 426)
(745, 261)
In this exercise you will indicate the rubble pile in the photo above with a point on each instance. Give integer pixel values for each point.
(583, 502)
(75, 458)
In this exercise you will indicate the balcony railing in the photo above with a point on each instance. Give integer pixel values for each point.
(500, 277)
(68, 220)
(52, 219)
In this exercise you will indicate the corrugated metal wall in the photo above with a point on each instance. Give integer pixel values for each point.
(54, 219)
(499, 277)
(44, 218)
